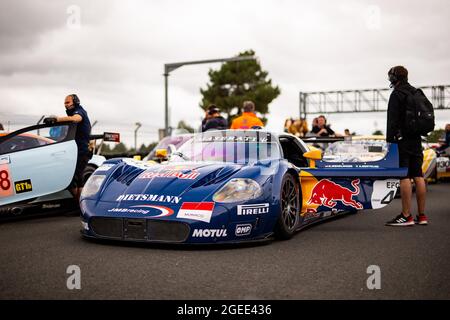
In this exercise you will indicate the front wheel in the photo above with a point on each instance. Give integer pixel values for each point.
(289, 217)
(88, 171)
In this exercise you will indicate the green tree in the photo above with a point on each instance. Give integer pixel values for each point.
(377, 133)
(119, 148)
(436, 135)
(236, 82)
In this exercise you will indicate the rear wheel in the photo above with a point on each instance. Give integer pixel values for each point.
(289, 217)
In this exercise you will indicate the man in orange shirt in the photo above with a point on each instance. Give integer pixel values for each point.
(248, 118)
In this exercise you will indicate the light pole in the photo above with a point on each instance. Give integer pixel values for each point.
(138, 125)
(169, 67)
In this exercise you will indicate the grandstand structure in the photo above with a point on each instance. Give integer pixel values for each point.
(365, 100)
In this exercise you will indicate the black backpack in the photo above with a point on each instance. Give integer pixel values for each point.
(419, 113)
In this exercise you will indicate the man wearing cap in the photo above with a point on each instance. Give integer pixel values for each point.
(214, 121)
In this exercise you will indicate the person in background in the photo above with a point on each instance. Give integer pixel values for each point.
(76, 113)
(299, 128)
(347, 133)
(409, 149)
(248, 119)
(322, 129)
(207, 116)
(287, 124)
(215, 121)
(1, 127)
(315, 125)
(446, 142)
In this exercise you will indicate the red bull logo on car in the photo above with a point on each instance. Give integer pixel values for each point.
(190, 175)
(327, 193)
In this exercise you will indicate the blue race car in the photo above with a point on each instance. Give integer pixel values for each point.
(233, 186)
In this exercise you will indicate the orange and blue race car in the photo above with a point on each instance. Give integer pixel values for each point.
(235, 186)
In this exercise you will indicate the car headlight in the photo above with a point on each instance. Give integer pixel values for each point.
(239, 189)
(92, 186)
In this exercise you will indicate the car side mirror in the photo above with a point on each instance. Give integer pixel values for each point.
(312, 155)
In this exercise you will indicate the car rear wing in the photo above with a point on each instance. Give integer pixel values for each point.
(389, 161)
(105, 137)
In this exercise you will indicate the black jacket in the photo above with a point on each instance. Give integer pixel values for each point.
(395, 131)
(217, 123)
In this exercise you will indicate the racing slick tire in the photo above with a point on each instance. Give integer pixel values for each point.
(289, 218)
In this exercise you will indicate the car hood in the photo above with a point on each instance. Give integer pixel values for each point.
(136, 182)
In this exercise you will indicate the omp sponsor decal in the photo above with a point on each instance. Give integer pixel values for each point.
(327, 193)
(209, 233)
(383, 192)
(252, 209)
(6, 186)
(23, 186)
(5, 160)
(243, 229)
(144, 209)
(200, 211)
(189, 175)
(149, 198)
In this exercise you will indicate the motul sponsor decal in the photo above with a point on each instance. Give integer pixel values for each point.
(327, 193)
(149, 198)
(209, 233)
(252, 209)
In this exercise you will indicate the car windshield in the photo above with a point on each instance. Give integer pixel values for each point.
(235, 146)
(356, 151)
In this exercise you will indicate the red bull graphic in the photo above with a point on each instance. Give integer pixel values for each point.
(191, 175)
(327, 193)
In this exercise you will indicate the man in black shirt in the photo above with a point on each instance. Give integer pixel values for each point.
(78, 115)
(213, 120)
(321, 129)
(216, 121)
(409, 146)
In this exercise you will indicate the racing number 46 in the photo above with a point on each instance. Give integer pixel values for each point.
(389, 197)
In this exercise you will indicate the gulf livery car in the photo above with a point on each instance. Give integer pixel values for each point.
(231, 186)
(37, 164)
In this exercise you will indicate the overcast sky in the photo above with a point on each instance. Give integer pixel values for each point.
(113, 55)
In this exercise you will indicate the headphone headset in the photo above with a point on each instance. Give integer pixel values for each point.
(75, 99)
(392, 77)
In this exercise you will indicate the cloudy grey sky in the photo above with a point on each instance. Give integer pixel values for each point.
(113, 58)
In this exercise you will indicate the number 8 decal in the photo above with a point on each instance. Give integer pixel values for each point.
(5, 181)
